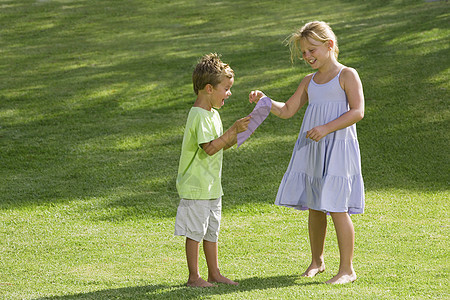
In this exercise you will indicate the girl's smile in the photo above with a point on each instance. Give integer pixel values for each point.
(312, 61)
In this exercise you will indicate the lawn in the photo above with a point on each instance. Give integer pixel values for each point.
(94, 96)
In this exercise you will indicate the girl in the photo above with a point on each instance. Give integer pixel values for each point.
(324, 174)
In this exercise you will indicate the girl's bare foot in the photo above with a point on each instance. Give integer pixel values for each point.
(199, 282)
(313, 270)
(342, 278)
(222, 279)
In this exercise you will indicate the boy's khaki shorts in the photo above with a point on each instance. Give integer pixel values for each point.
(199, 219)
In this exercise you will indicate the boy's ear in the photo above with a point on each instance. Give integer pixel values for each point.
(209, 88)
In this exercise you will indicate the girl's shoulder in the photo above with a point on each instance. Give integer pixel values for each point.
(348, 70)
(348, 75)
(308, 77)
(306, 80)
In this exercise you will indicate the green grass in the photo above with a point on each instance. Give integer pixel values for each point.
(94, 96)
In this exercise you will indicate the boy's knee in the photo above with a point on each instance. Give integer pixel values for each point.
(195, 236)
(211, 237)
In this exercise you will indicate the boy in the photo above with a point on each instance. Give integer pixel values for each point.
(200, 170)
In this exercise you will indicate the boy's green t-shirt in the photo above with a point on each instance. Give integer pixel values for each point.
(199, 175)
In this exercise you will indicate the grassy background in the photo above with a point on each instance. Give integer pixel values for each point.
(94, 96)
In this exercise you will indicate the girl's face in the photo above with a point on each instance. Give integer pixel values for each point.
(315, 53)
(221, 92)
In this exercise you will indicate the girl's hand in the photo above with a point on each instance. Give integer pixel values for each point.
(317, 133)
(254, 96)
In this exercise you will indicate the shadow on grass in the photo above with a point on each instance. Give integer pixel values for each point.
(100, 114)
(183, 292)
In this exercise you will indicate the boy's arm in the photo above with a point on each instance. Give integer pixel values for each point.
(228, 139)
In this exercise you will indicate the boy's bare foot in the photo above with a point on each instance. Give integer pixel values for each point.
(313, 270)
(342, 278)
(222, 279)
(199, 282)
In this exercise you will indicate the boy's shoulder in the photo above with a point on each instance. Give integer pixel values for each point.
(202, 113)
(199, 115)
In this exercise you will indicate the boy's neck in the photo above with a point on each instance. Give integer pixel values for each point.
(202, 102)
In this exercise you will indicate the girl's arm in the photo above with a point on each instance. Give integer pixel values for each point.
(289, 108)
(353, 89)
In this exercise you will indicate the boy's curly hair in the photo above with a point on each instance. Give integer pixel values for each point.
(210, 70)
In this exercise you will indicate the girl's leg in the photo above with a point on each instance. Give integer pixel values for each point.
(192, 260)
(317, 226)
(211, 254)
(345, 233)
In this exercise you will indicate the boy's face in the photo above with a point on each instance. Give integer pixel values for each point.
(221, 92)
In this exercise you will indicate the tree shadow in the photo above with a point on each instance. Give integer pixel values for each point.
(183, 292)
(124, 135)
(94, 98)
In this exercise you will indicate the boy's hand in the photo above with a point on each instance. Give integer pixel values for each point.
(242, 124)
(254, 96)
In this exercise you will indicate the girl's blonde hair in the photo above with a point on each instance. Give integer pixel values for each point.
(316, 30)
(210, 70)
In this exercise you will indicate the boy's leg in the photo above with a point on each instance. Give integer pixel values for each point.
(211, 254)
(192, 249)
(345, 233)
(210, 245)
(317, 226)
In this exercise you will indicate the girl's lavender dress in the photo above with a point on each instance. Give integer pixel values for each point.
(325, 175)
